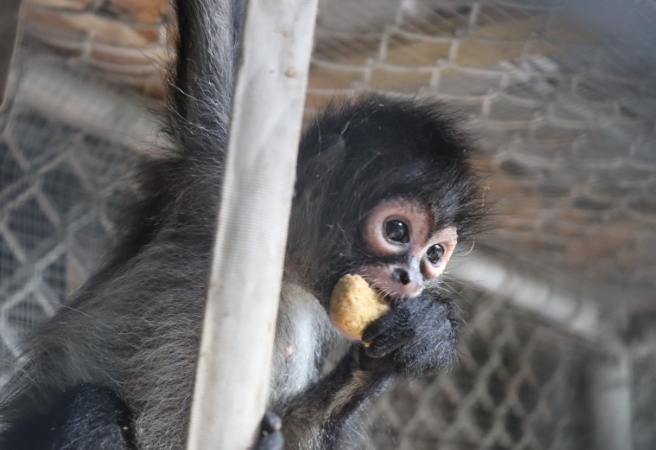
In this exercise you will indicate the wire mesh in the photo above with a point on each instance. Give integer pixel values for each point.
(61, 191)
(561, 95)
(643, 398)
(517, 385)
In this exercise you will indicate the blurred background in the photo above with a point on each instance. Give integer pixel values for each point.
(559, 350)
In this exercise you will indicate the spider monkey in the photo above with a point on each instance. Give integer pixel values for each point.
(384, 189)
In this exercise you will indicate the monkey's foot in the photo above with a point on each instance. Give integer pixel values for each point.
(270, 437)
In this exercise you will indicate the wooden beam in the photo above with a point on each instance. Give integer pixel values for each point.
(232, 378)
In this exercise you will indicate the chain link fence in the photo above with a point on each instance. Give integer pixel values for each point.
(62, 187)
(561, 95)
(564, 111)
(518, 384)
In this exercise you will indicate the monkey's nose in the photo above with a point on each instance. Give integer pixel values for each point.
(402, 276)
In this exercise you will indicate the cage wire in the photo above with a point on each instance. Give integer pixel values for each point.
(65, 149)
(517, 385)
(562, 96)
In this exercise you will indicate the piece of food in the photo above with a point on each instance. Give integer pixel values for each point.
(354, 305)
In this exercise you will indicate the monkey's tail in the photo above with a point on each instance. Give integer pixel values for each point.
(201, 82)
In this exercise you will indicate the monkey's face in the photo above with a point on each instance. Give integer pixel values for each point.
(406, 249)
(384, 190)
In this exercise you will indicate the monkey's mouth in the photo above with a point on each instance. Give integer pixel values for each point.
(391, 282)
(383, 296)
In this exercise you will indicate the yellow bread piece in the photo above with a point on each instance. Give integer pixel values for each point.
(354, 305)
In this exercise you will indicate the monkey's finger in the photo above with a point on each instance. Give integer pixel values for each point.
(386, 343)
(395, 319)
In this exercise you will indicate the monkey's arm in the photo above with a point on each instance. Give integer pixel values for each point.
(317, 418)
(415, 337)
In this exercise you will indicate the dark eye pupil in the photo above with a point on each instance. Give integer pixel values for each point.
(396, 231)
(435, 253)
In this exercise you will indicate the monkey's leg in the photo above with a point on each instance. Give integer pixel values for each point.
(320, 416)
(83, 418)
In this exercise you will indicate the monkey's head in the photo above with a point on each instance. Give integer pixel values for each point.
(384, 189)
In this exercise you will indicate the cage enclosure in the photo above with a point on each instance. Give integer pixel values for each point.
(559, 350)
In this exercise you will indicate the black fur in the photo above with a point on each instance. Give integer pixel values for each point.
(375, 148)
(85, 417)
(417, 336)
(123, 354)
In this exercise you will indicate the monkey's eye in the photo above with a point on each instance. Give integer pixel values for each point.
(435, 253)
(397, 231)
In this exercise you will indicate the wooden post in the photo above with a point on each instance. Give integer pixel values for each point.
(232, 378)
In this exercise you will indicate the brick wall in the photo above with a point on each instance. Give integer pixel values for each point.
(125, 39)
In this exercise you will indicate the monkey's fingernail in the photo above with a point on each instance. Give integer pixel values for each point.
(366, 344)
(375, 352)
(271, 422)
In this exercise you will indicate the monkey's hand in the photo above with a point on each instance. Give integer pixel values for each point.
(416, 336)
(270, 437)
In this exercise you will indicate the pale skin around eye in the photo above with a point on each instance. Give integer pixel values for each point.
(421, 238)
